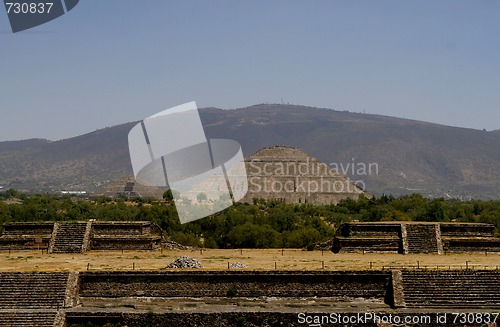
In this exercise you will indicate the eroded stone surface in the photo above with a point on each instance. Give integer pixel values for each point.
(291, 175)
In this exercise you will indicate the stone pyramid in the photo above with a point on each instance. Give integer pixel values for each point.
(291, 175)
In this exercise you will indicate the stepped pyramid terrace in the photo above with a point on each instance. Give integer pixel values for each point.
(144, 296)
(128, 188)
(415, 237)
(278, 172)
(79, 237)
(291, 175)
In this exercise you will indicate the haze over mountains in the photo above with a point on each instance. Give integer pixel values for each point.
(386, 154)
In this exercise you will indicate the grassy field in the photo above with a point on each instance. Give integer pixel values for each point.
(255, 259)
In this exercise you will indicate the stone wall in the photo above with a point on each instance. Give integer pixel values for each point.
(24, 242)
(26, 236)
(368, 237)
(365, 284)
(367, 245)
(121, 228)
(458, 237)
(125, 242)
(468, 229)
(44, 228)
(370, 230)
(471, 244)
(108, 235)
(118, 235)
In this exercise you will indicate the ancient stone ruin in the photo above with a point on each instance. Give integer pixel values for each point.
(35, 299)
(278, 172)
(70, 237)
(78, 237)
(24, 236)
(195, 298)
(127, 188)
(415, 237)
(123, 235)
(290, 175)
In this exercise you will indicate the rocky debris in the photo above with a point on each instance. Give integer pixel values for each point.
(237, 265)
(171, 245)
(324, 246)
(185, 262)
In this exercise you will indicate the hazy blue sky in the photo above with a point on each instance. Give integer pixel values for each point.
(113, 61)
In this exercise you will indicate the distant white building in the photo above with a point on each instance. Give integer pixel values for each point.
(74, 192)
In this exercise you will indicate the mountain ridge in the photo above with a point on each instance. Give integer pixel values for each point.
(411, 155)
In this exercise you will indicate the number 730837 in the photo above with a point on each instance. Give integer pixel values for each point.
(28, 7)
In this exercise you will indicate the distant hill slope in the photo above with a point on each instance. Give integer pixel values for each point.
(78, 163)
(411, 155)
(404, 155)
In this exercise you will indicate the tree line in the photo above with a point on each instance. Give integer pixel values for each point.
(262, 224)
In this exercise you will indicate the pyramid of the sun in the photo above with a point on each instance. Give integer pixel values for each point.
(290, 175)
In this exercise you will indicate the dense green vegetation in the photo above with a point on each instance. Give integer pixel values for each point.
(263, 224)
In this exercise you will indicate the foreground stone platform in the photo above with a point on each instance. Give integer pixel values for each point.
(241, 298)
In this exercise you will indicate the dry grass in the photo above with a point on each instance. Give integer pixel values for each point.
(255, 259)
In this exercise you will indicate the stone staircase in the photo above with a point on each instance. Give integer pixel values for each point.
(69, 238)
(32, 290)
(20, 318)
(421, 238)
(32, 299)
(453, 289)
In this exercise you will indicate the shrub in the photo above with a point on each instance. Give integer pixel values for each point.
(231, 292)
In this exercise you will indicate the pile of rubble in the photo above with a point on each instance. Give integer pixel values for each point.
(237, 265)
(185, 262)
